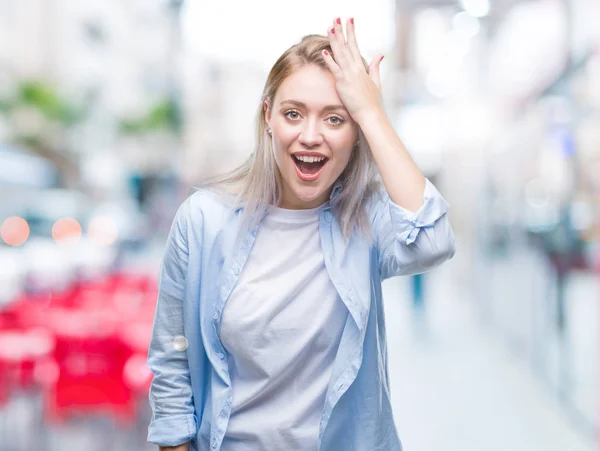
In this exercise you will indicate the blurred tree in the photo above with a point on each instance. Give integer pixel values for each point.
(156, 132)
(48, 101)
(39, 120)
(162, 116)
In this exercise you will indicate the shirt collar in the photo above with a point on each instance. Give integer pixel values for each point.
(337, 188)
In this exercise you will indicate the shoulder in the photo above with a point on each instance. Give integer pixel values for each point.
(209, 200)
(205, 206)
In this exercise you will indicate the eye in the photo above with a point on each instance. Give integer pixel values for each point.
(292, 114)
(335, 120)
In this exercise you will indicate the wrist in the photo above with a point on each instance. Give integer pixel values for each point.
(370, 116)
(182, 447)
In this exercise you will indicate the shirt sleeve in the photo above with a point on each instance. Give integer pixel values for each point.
(173, 417)
(412, 242)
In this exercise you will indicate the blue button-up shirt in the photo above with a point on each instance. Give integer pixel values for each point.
(191, 391)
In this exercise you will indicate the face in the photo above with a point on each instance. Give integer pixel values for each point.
(313, 136)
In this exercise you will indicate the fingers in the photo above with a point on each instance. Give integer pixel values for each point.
(332, 64)
(342, 54)
(351, 38)
(374, 72)
(346, 51)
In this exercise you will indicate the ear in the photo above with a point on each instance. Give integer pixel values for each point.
(267, 112)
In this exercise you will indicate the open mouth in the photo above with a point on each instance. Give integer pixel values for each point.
(308, 168)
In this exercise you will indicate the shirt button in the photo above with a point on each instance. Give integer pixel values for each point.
(236, 270)
(216, 316)
(214, 442)
(221, 355)
(180, 343)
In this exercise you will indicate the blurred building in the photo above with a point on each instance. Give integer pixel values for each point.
(499, 99)
(115, 60)
(220, 102)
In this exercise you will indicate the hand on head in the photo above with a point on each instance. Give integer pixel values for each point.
(358, 88)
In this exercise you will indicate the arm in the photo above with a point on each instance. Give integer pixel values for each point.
(184, 447)
(404, 182)
(360, 91)
(410, 223)
(412, 242)
(173, 416)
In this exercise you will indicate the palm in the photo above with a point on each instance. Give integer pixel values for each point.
(358, 88)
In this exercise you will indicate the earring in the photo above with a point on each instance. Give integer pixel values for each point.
(269, 132)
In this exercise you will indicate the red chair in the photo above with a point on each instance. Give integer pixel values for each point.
(20, 352)
(84, 345)
(140, 282)
(90, 360)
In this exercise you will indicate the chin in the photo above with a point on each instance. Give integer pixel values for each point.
(309, 195)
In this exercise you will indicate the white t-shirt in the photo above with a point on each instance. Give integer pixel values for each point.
(281, 328)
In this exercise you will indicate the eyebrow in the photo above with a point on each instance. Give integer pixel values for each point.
(326, 108)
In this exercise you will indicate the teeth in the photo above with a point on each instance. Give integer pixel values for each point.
(309, 159)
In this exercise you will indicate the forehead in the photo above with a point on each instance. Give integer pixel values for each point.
(310, 85)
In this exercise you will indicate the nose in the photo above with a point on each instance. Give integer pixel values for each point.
(310, 136)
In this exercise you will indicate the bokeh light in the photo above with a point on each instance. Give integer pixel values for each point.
(103, 231)
(14, 231)
(66, 229)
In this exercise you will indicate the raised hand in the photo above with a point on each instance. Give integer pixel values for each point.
(358, 88)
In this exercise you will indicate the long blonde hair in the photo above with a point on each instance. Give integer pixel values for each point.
(257, 182)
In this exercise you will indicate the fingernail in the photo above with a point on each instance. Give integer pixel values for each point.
(325, 52)
(352, 20)
(332, 31)
(382, 56)
(338, 20)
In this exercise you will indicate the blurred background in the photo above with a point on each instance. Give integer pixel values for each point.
(112, 110)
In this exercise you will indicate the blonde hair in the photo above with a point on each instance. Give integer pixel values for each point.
(257, 182)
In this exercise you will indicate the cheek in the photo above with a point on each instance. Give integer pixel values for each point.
(343, 148)
(284, 138)
(344, 139)
(280, 151)
(282, 133)
(344, 158)
(279, 146)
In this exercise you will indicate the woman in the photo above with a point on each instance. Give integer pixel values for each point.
(269, 331)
